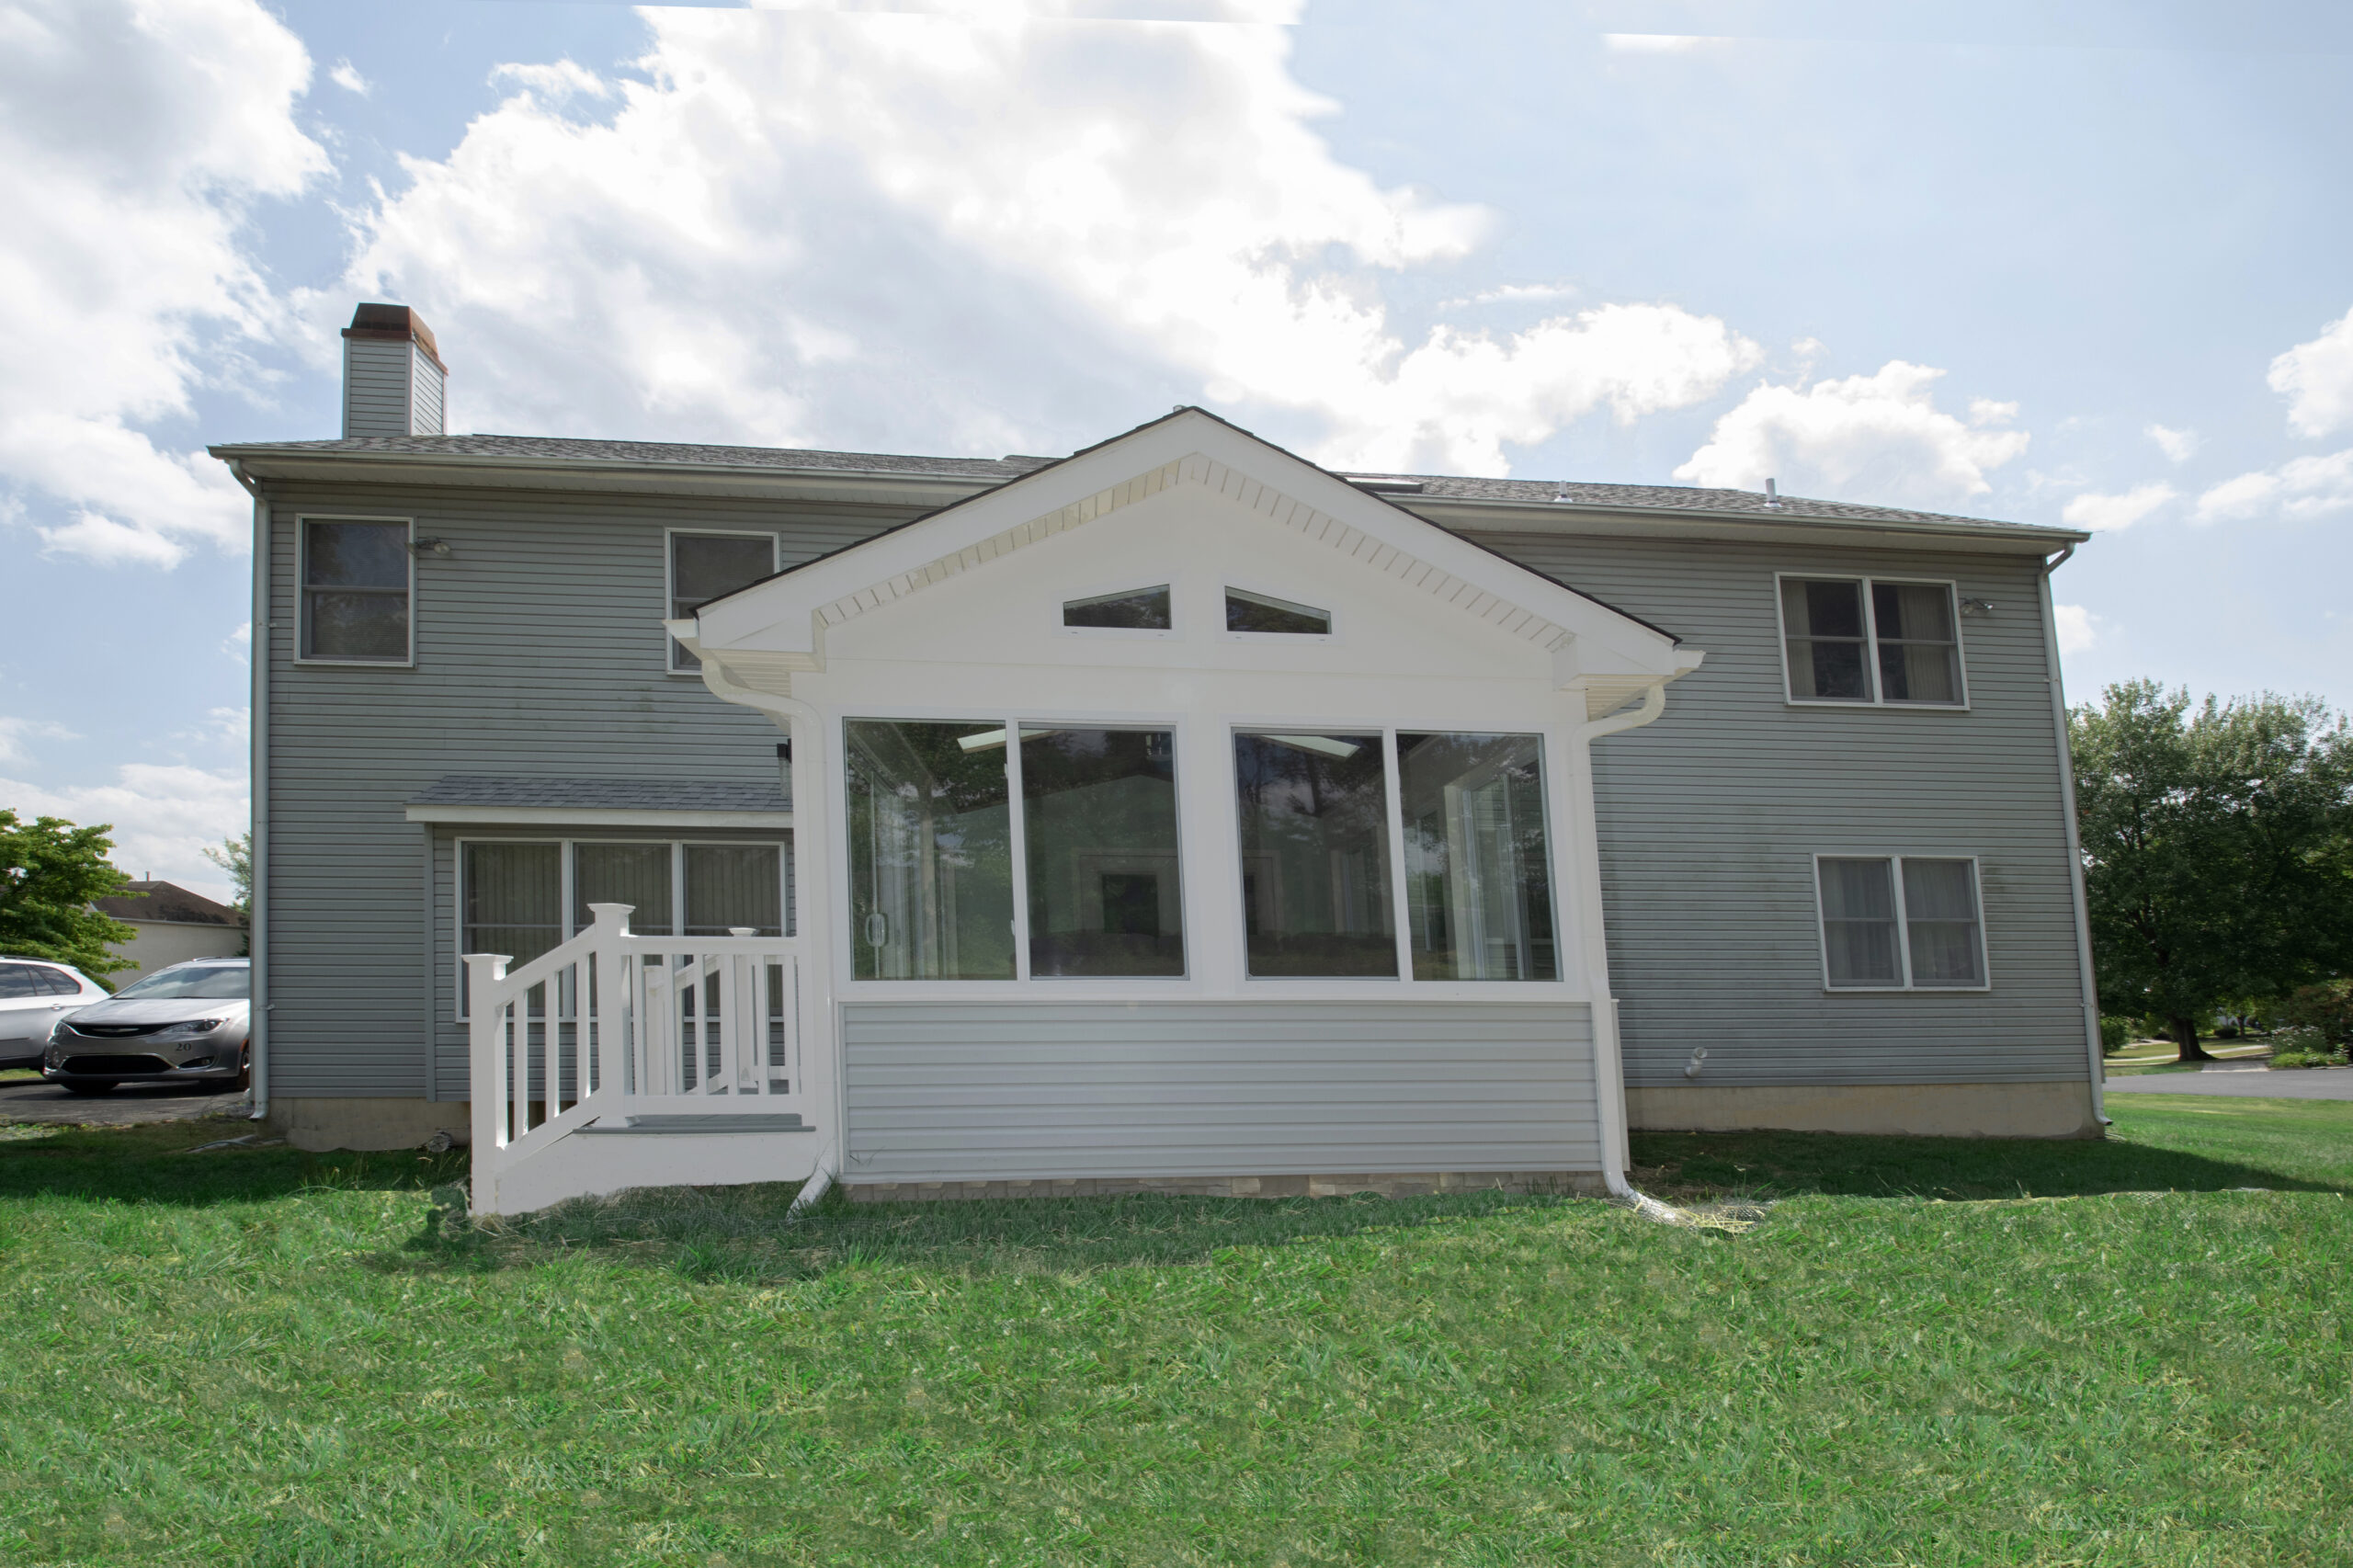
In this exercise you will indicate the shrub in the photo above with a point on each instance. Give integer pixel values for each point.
(2303, 1047)
(2326, 1007)
(2115, 1034)
(2226, 1031)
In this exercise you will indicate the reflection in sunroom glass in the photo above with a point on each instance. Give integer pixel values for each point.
(1315, 888)
(1478, 887)
(1099, 818)
(930, 851)
(1265, 613)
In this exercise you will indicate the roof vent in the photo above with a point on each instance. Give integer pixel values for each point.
(394, 380)
(1773, 494)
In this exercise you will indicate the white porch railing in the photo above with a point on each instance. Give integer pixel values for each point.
(612, 1024)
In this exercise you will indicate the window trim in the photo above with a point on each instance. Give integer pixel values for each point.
(566, 874)
(1172, 632)
(302, 521)
(671, 647)
(1304, 639)
(1903, 924)
(1878, 698)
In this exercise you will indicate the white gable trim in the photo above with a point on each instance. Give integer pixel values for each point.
(775, 627)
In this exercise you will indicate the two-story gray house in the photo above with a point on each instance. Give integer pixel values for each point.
(1176, 813)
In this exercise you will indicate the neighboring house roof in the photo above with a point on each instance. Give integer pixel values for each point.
(550, 451)
(463, 798)
(166, 903)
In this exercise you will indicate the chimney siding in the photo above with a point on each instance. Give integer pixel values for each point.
(392, 381)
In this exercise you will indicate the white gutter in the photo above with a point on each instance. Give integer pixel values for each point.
(257, 860)
(1610, 1066)
(2075, 841)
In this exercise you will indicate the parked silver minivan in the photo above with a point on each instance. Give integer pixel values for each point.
(185, 1024)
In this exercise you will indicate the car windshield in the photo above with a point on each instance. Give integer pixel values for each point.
(210, 981)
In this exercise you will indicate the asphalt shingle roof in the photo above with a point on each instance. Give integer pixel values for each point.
(601, 794)
(1402, 487)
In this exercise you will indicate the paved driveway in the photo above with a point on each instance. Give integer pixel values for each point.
(2243, 1083)
(29, 1099)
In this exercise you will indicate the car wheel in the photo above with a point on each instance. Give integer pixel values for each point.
(90, 1086)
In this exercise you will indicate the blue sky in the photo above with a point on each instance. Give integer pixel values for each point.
(2058, 265)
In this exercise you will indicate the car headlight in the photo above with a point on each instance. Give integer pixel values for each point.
(189, 1031)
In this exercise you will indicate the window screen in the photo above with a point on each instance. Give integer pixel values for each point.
(1859, 924)
(1314, 820)
(704, 567)
(1478, 881)
(1260, 612)
(730, 886)
(354, 591)
(1828, 641)
(634, 874)
(1099, 818)
(1135, 610)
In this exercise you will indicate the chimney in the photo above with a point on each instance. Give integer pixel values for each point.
(393, 375)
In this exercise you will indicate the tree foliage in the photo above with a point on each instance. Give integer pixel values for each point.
(236, 856)
(2218, 848)
(50, 872)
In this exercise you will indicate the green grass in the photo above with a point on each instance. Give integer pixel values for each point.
(1930, 1352)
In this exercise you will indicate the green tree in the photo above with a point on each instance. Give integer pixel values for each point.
(2215, 849)
(236, 856)
(50, 872)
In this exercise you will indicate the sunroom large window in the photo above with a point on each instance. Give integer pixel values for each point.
(1478, 878)
(930, 851)
(1098, 815)
(1316, 895)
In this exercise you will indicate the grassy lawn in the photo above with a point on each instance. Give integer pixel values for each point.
(1929, 1352)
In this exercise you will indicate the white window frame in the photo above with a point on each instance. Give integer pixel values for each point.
(1127, 633)
(568, 886)
(1262, 638)
(671, 647)
(1902, 922)
(302, 521)
(1878, 697)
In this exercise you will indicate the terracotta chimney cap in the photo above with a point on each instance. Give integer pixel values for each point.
(398, 323)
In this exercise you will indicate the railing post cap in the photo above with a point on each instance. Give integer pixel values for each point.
(612, 915)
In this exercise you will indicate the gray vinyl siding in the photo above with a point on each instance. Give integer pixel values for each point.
(424, 394)
(1027, 1090)
(1710, 817)
(539, 650)
(376, 387)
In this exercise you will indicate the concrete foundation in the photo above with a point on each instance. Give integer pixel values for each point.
(1932, 1110)
(322, 1124)
(1389, 1184)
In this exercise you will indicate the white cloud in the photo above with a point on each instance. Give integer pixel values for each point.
(2317, 378)
(162, 817)
(1514, 294)
(996, 232)
(140, 132)
(239, 644)
(2299, 489)
(222, 727)
(557, 80)
(2078, 628)
(14, 732)
(2176, 445)
(2104, 513)
(1879, 438)
(346, 75)
(1656, 43)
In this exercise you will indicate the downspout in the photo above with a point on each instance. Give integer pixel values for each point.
(809, 751)
(257, 861)
(1610, 1067)
(2075, 841)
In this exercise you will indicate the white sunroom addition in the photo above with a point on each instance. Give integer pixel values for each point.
(1182, 814)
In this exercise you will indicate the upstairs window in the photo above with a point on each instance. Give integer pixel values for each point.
(1929, 935)
(1263, 613)
(704, 567)
(1131, 610)
(1856, 640)
(355, 587)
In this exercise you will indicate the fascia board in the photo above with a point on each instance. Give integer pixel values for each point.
(779, 615)
(744, 482)
(1573, 518)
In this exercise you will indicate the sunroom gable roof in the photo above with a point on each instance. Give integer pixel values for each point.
(779, 624)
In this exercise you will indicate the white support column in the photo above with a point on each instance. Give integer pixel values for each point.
(610, 928)
(486, 1066)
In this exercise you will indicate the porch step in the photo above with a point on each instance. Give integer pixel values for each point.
(777, 1121)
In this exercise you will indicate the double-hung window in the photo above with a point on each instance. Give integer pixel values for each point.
(707, 566)
(358, 578)
(1870, 640)
(1900, 921)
